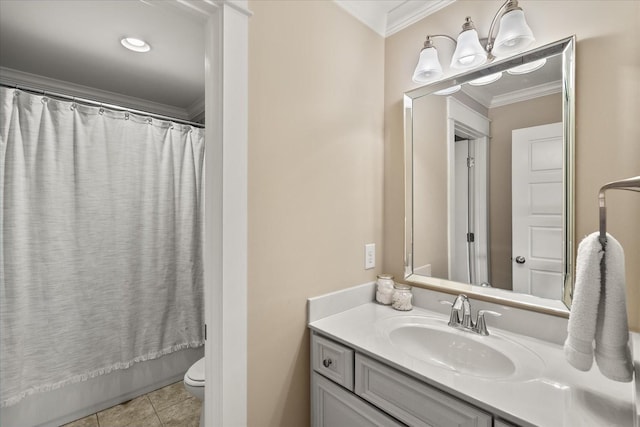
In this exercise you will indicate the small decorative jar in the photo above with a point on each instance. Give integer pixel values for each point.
(384, 292)
(402, 297)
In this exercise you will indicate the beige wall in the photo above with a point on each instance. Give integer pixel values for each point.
(534, 112)
(607, 111)
(315, 185)
(316, 154)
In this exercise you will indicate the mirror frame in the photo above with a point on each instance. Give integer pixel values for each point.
(565, 47)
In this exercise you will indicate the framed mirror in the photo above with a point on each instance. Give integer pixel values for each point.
(489, 181)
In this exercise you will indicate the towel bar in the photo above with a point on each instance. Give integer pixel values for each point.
(631, 184)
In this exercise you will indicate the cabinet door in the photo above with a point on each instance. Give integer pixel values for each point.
(333, 406)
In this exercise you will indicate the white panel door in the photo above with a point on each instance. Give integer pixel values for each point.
(536, 169)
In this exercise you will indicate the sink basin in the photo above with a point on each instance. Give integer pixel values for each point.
(433, 341)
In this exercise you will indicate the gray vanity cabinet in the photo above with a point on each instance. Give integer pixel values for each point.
(352, 389)
(332, 401)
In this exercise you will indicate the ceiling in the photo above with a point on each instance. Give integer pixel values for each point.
(75, 45)
(79, 42)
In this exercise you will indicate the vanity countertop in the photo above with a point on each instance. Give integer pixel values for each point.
(558, 395)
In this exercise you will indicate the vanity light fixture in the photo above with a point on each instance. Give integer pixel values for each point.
(527, 68)
(449, 90)
(514, 35)
(428, 68)
(136, 45)
(469, 52)
(485, 80)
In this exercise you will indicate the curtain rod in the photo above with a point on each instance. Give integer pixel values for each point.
(99, 104)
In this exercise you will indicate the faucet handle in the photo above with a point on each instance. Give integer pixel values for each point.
(489, 312)
(481, 325)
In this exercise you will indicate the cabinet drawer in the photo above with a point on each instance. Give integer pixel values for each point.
(412, 401)
(332, 360)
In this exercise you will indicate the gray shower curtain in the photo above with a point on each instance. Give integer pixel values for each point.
(101, 217)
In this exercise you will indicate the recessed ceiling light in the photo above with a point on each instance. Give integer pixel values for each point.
(135, 45)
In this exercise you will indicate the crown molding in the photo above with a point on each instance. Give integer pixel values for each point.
(519, 95)
(387, 17)
(47, 84)
(410, 12)
(526, 94)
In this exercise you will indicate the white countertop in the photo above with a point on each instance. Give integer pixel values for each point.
(558, 395)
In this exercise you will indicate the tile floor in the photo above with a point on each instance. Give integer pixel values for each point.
(171, 406)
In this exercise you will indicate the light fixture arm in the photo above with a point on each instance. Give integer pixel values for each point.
(507, 6)
(428, 43)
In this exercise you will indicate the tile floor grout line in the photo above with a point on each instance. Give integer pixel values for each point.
(150, 401)
(155, 411)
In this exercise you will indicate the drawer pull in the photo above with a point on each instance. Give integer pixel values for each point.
(327, 362)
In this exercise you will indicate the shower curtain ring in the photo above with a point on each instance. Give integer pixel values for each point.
(126, 115)
(101, 111)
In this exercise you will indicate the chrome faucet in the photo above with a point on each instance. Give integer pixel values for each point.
(460, 317)
(460, 312)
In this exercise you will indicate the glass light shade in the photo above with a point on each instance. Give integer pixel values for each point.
(486, 79)
(428, 68)
(514, 34)
(449, 90)
(469, 52)
(527, 68)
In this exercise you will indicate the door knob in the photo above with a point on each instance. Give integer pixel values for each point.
(520, 260)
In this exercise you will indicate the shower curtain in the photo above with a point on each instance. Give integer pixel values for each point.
(101, 217)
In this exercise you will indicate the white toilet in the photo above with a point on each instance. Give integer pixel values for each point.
(194, 384)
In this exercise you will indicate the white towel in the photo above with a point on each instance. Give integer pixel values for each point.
(599, 311)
